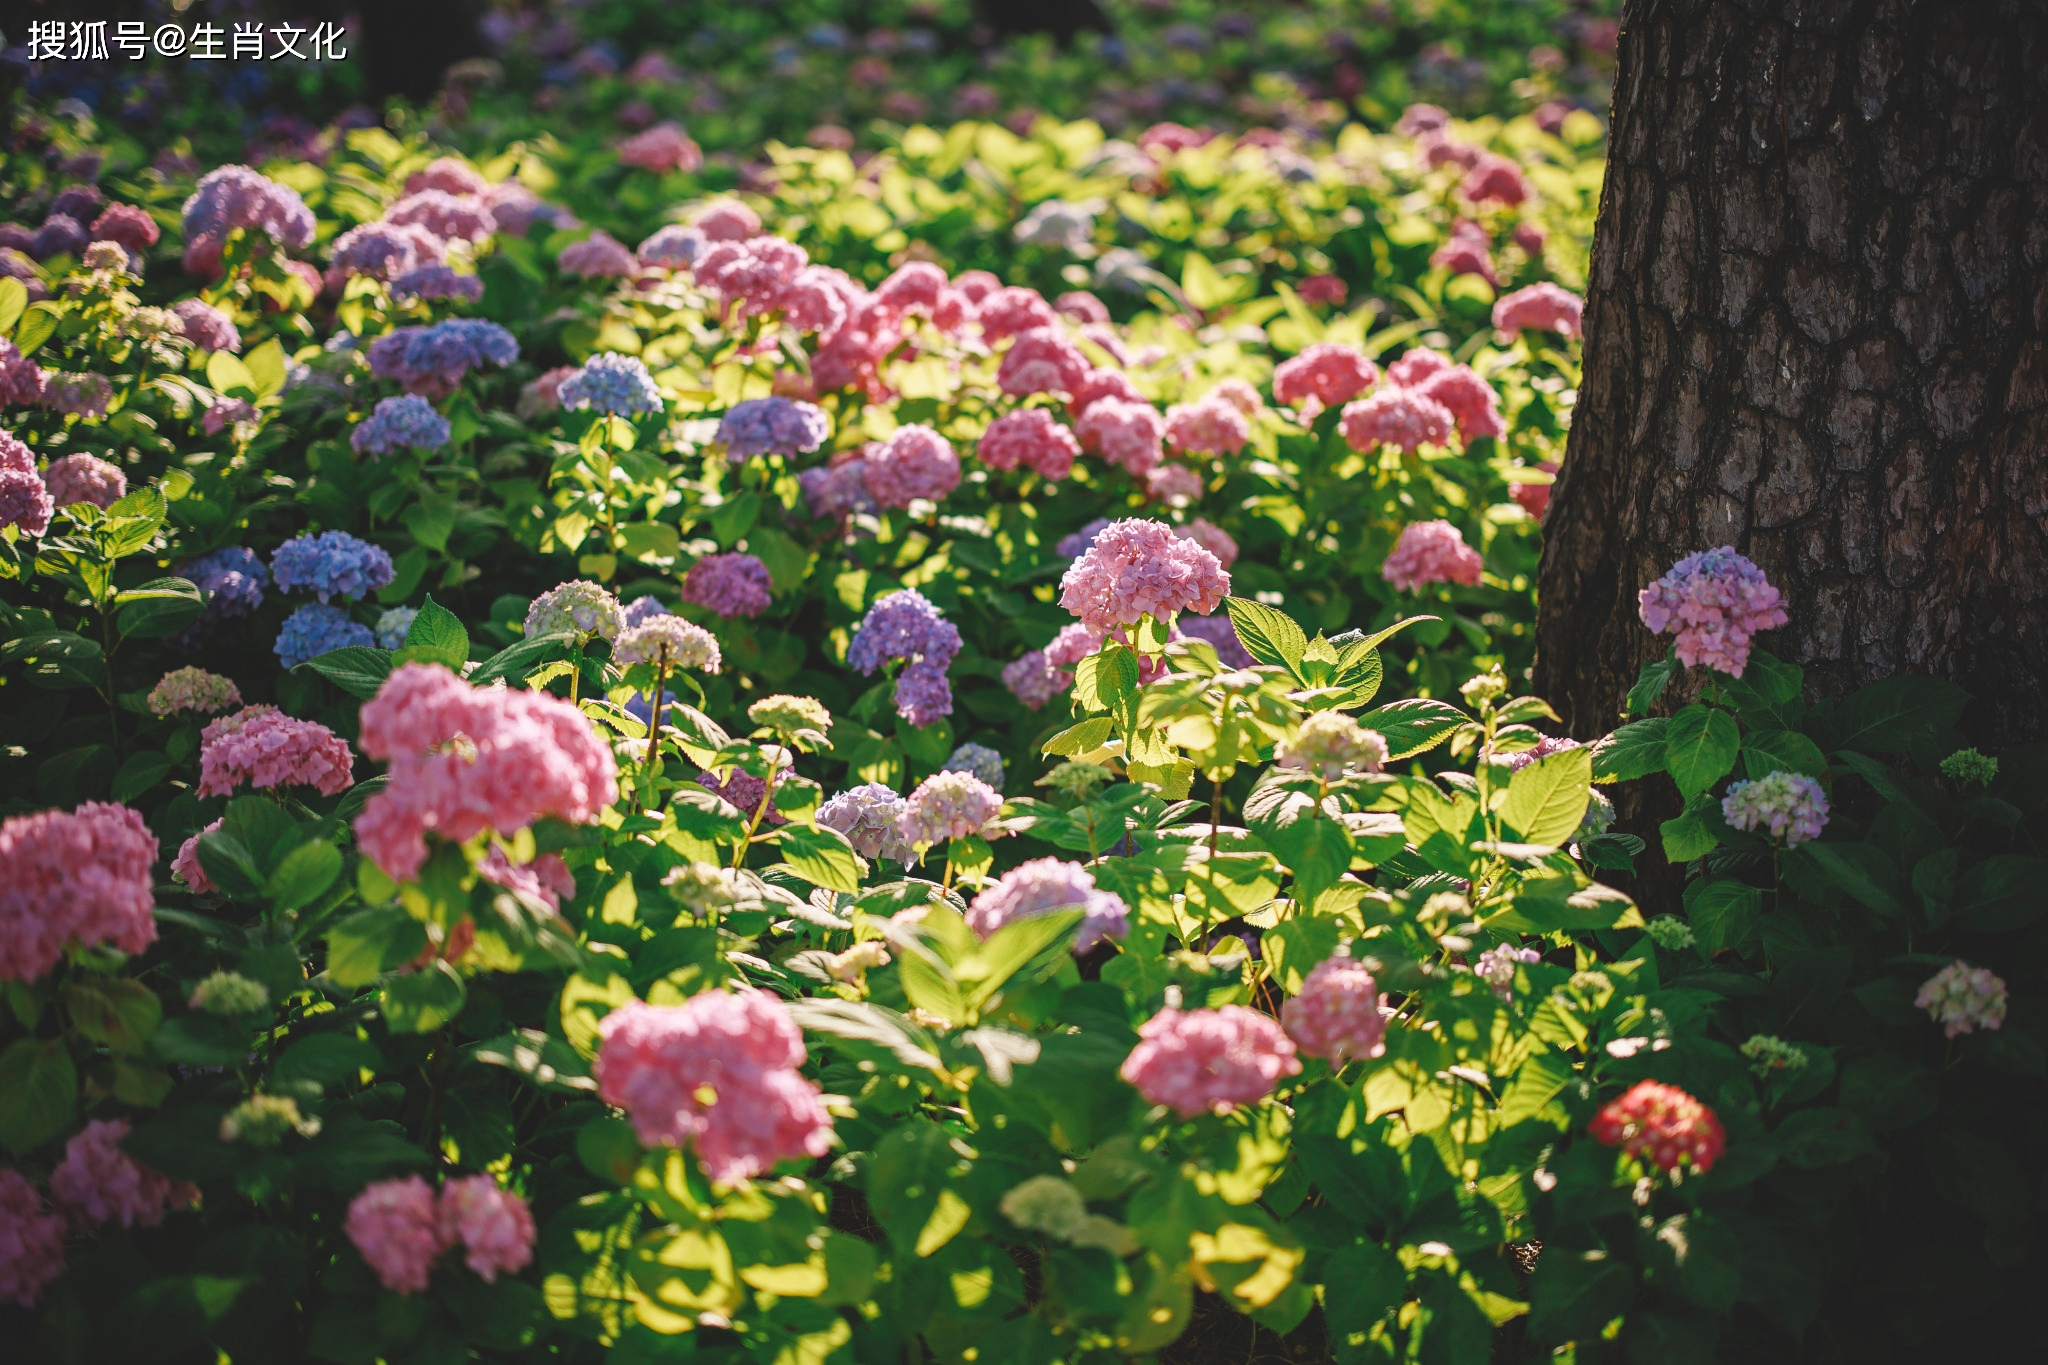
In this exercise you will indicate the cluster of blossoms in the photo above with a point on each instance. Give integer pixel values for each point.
(262, 746)
(331, 564)
(664, 147)
(1714, 601)
(1791, 806)
(905, 625)
(1544, 307)
(31, 1241)
(98, 1183)
(1337, 1015)
(1323, 376)
(393, 625)
(1543, 748)
(73, 878)
(21, 379)
(546, 879)
(869, 816)
(1029, 438)
(1043, 886)
(465, 759)
(234, 197)
(206, 327)
(434, 282)
(1216, 424)
(1137, 569)
(578, 607)
(401, 1228)
(612, 384)
(186, 866)
(1970, 765)
(1663, 1125)
(1496, 966)
(1209, 1060)
(1770, 1055)
(25, 501)
(1963, 999)
(431, 361)
(915, 462)
(947, 805)
(718, 1072)
(384, 250)
(1126, 431)
(683, 643)
(192, 689)
(1220, 634)
(85, 478)
(730, 584)
(1432, 552)
(229, 994)
(233, 579)
(408, 422)
(772, 426)
(77, 395)
(1330, 744)
(980, 760)
(747, 793)
(1467, 251)
(1034, 679)
(317, 629)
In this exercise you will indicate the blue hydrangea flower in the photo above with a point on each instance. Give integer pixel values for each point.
(643, 609)
(978, 760)
(233, 575)
(773, 426)
(315, 629)
(331, 564)
(393, 625)
(436, 282)
(432, 360)
(406, 423)
(614, 384)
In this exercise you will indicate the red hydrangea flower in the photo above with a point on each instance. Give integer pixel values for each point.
(1662, 1125)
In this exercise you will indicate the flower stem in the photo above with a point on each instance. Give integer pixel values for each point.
(654, 725)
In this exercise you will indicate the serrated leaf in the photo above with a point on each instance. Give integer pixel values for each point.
(821, 856)
(1700, 748)
(1635, 750)
(515, 661)
(1413, 726)
(1269, 636)
(38, 1086)
(1547, 798)
(1084, 738)
(358, 670)
(1769, 751)
(437, 635)
(1888, 715)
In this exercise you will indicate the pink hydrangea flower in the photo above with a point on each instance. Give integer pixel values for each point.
(397, 1228)
(662, 148)
(547, 878)
(31, 1241)
(816, 300)
(79, 877)
(1032, 439)
(727, 220)
(1328, 289)
(1792, 807)
(1198, 1061)
(1417, 367)
(85, 478)
(465, 759)
(914, 287)
(1432, 552)
(21, 379)
(1034, 679)
(185, 867)
(1543, 307)
(1214, 426)
(25, 503)
(449, 175)
(837, 490)
(1467, 251)
(450, 217)
(1097, 385)
(1082, 306)
(1963, 999)
(1174, 485)
(1329, 744)
(263, 747)
(947, 805)
(97, 1182)
(1014, 310)
(1337, 1015)
(1074, 643)
(1471, 400)
(718, 1071)
(1322, 376)
(1041, 360)
(1663, 1125)
(729, 584)
(597, 257)
(1140, 568)
(752, 274)
(1534, 498)
(1714, 601)
(491, 1224)
(915, 462)
(544, 395)
(1125, 433)
(1494, 179)
(1397, 417)
(1042, 886)
(192, 689)
(1212, 538)
(1239, 394)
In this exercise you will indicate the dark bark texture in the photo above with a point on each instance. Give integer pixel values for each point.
(1817, 330)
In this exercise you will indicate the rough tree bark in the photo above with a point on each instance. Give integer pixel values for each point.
(1817, 330)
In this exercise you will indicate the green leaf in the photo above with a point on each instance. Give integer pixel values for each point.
(1013, 947)
(1413, 726)
(266, 365)
(228, 863)
(140, 772)
(1650, 685)
(358, 670)
(546, 1062)
(821, 856)
(1084, 738)
(370, 943)
(2005, 891)
(422, 1001)
(1547, 799)
(1723, 913)
(303, 874)
(436, 636)
(1815, 1138)
(1574, 1294)
(431, 521)
(161, 607)
(1635, 750)
(1688, 836)
(13, 299)
(327, 1060)
(514, 662)
(1700, 748)
(1864, 871)
(609, 1149)
(37, 1089)
(202, 1040)
(1269, 636)
(862, 1023)
(1205, 286)
(121, 1012)
(37, 326)
(1781, 751)
(1363, 1284)
(1292, 948)
(226, 372)
(1887, 716)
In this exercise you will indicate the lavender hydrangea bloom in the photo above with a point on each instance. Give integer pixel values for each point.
(405, 423)
(315, 629)
(867, 815)
(1496, 967)
(60, 235)
(1043, 886)
(980, 760)
(384, 251)
(237, 197)
(232, 577)
(1218, 632)
(433, 282)
(773, 426)
(206, 327)
(643, 609)
(904, 625)
(393, 626)
(674, 247)
(433, 360)
(614, 384)
(331, 564)
(730, 584)
(1075, 545)
(1788, 806)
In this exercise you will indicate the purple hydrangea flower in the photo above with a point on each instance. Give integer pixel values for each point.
(206, 327)
(1043, 886)
(867, 815)
(384, 251)
(25, 503)
(674, 247)
(1496, 967)
(1075, 545)
(1034, 679)
(614, 384)
(237, 197)
(433, 360)
(232, 577)
(773, 426)
(331, 564)
(405, 423)
(643, 609)
(84, 478)
(60, 235)
(980, 760)
(1218, 632)
(315, 629)
(1713, 601)
(436, 282)
(1790, 806)
(729, 584)
(905, 625)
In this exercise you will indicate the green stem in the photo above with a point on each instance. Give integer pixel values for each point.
(739, 859)
(654, 726)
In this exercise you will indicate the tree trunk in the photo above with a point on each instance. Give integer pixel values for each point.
(1817, 330)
